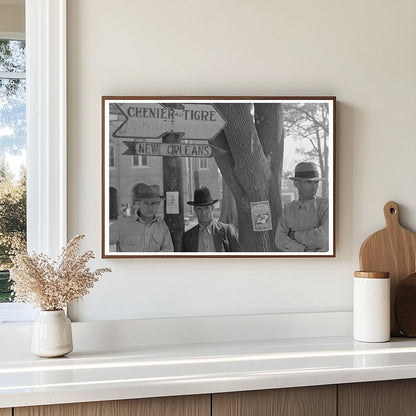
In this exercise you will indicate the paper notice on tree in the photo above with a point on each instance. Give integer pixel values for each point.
(172, 202)
(260, 216)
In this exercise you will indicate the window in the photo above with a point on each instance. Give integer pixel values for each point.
(139, 161)
(112, 157)
(46, 136)
(203, 163)
(13, 154)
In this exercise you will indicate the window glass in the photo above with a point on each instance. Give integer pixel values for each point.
(12, 156)
(112, 157)
(12, 55)
(203, 163)
(139, 161)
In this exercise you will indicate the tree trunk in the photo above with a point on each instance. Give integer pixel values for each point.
(251, 160)
(228, 213)
(269, 124)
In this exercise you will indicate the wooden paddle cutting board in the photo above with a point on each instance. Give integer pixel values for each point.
(393, 250)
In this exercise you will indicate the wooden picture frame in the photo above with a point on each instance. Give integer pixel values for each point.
(259, 171)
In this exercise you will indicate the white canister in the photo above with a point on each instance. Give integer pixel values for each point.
(371, 310)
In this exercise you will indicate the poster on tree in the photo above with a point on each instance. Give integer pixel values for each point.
(218, 176)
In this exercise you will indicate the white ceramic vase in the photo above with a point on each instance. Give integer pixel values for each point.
(52, 334)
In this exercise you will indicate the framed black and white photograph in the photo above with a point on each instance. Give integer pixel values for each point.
(218, 177)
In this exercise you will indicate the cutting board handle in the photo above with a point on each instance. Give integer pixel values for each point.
(391, 214)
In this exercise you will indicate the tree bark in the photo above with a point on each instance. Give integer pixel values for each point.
(269, 124)
(228, 213)
(252, 158)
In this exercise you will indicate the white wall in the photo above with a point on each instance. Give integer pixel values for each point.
(363, 52)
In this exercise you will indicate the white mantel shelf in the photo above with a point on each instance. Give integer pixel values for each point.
(166, 370)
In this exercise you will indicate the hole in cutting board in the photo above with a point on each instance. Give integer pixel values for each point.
(392, 210)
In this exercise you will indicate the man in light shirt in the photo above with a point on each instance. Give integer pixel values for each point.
(303, 225)
(208, 235)
(146, 232)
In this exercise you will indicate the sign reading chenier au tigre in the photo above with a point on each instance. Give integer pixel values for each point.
(170, 113)
(153, 120)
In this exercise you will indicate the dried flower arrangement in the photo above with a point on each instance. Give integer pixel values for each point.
(53, 285)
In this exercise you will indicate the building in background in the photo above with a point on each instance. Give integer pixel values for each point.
(129, 172)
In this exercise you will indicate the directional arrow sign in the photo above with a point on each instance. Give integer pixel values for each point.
(153, 120)
(171, 149)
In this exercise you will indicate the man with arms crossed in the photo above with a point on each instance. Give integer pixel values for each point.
(303, 225)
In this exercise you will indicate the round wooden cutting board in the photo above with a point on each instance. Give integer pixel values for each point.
(393, 250)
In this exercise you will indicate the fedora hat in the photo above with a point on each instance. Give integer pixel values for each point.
(306, 171)
(149, 192)
(202, 197)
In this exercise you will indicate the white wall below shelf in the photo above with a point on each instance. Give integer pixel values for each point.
(188, 330)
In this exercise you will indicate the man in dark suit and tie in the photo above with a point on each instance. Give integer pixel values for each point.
(208, 235)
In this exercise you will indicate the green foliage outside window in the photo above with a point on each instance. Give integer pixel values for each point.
(6, 294)
(12, 145)
(12, 224)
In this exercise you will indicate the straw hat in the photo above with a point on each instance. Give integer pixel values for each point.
(306, 171)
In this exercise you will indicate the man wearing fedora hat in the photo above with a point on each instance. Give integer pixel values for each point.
(208, 235)
(147, 232)
(303, 225)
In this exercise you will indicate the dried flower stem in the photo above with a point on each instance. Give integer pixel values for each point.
(53, 285)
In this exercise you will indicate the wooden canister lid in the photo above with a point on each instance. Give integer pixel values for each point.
(372, 275)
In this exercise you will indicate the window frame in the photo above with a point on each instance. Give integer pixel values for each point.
(112, 157)
(46, 125)
(201, 162)
(139, 163)
(46, 166)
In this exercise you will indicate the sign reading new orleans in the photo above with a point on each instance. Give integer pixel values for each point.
(153, 120)
(171, 149)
